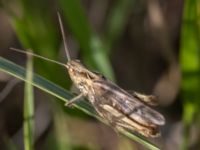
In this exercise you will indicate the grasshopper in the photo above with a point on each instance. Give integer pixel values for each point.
(119, 108)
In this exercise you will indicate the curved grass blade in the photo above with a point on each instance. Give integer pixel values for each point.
(57, 91)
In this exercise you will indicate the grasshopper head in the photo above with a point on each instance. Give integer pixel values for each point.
(77, 69)
(80, 75)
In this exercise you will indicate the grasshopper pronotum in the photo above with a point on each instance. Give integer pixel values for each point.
(116, 106)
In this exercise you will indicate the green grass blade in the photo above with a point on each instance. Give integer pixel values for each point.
(55, 90)
(190, 65)
(29, 107)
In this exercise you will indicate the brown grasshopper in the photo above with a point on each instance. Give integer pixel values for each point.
(116, 106)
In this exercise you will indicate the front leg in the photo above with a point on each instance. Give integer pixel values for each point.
(73, 100)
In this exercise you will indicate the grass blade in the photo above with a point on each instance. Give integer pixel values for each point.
(190, 65)
(29, 107)
(57, 91)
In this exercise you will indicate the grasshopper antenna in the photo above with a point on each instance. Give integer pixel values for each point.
(38, 56)
(63, 36)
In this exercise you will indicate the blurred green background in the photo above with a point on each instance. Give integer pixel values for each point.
(152, 47)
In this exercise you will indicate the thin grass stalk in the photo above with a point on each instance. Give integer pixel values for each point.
(28, 126)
